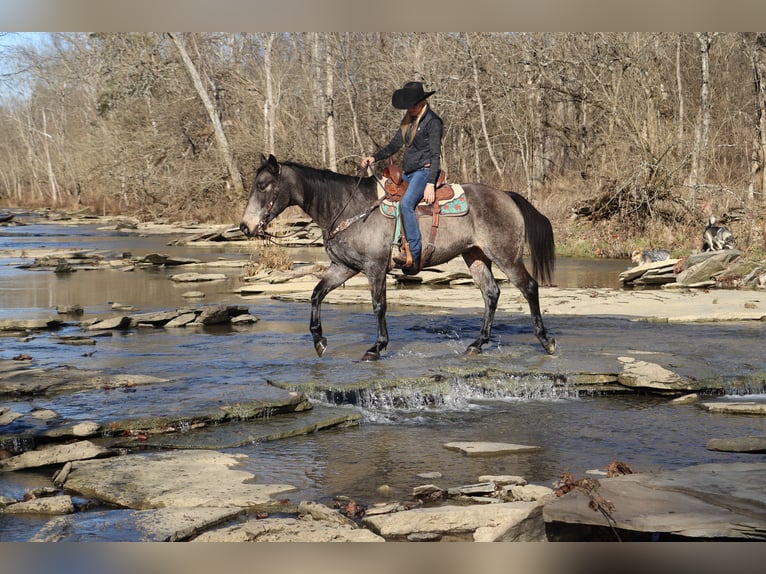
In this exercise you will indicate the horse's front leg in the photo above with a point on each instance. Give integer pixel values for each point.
(377, 280)
(334, 277)
(481, 271)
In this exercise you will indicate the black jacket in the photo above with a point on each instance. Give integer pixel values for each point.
(424, 150)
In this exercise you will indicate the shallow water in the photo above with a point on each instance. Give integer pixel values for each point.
(399, 437)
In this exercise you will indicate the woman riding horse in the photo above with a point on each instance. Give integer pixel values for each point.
(421, 134)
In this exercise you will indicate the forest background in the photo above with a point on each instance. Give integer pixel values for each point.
(624, 140)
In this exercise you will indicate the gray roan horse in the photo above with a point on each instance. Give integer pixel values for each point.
(493, 231)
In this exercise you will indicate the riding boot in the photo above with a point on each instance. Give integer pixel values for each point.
(413, 269)
(404, 258)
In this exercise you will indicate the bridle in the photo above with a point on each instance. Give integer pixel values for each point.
(333, 230)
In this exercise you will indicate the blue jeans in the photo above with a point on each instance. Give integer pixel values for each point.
(414, 194)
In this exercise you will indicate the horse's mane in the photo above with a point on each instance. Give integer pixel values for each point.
(324, 181)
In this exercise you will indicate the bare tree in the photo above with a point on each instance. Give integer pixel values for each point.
(699, 158)
(223, 143)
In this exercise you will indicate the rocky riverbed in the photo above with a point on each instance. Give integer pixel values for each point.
(160, 478)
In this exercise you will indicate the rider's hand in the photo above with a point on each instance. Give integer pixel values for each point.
(429, 193)
(367, 161)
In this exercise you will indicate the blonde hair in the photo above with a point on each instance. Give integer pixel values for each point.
(411, 123)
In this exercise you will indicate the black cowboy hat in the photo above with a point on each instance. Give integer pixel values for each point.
(409, 95)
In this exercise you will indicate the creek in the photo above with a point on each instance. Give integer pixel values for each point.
(398, 437)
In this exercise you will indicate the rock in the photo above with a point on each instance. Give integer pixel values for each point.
(246, 319)
(462, 521)
(120, 322)
(289, 530)
(197, 277)
(430, 475)
(181, 320)
(156, 525)
(193, 295)
(190, 478)
(754, 444)
(527, 492)
(703, 502)
(59, 478)
(55, 454)
(33, 381)
(321, 512)
(158, 319)
(43, 414)
(503, 479)
(481, 489)
(428, 492)
(741, 408)
(704, 272)
(645, 375)
(47, 505)
(70, 310)
(29, 324)
(215, 315)
(8, 416)
(686, 399)
(489, 448)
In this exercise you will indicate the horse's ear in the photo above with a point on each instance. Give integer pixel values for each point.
(273, 164)
(263, 160)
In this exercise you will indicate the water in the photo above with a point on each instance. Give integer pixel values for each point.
(401, 434)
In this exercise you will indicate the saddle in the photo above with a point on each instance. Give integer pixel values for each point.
(449, 200)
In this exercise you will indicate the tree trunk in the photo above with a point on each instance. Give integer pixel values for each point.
(269, 112)
(758, 160)
(699, 158)
(329, 109)
(480, 103)
(220, 136)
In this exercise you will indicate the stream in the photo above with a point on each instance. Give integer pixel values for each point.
(398, 437)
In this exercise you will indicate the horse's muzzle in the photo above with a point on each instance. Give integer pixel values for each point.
(259, 231)
(245, 229)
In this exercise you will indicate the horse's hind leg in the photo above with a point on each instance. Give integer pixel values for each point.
(334, 277)
(481, 271)
(527, 284)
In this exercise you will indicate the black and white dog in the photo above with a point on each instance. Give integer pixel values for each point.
(642, 256)
(717, 237)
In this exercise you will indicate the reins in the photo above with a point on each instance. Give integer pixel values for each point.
(346, 223)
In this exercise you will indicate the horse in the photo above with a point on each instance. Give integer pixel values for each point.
(357, 238)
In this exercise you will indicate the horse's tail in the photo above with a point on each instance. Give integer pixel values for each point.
(539, 233)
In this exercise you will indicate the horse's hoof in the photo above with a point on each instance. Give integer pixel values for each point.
(550, 346)
(371, 356)
(321, 346)
(471, 350)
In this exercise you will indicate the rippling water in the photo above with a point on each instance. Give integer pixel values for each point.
(401, 435)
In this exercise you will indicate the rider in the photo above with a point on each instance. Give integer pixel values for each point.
(420, 132)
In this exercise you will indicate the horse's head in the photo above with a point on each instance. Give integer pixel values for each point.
(266, 201)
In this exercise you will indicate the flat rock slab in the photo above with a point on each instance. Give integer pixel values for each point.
(643, 374)
(304, 529)
(490, 448)
(710, 501)
(455, 520)
(240, 433)
(739, 408)
(55, 454)
(186, 479)
(197, 277)
(158, 525)
(18, 379)
(754, 444)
